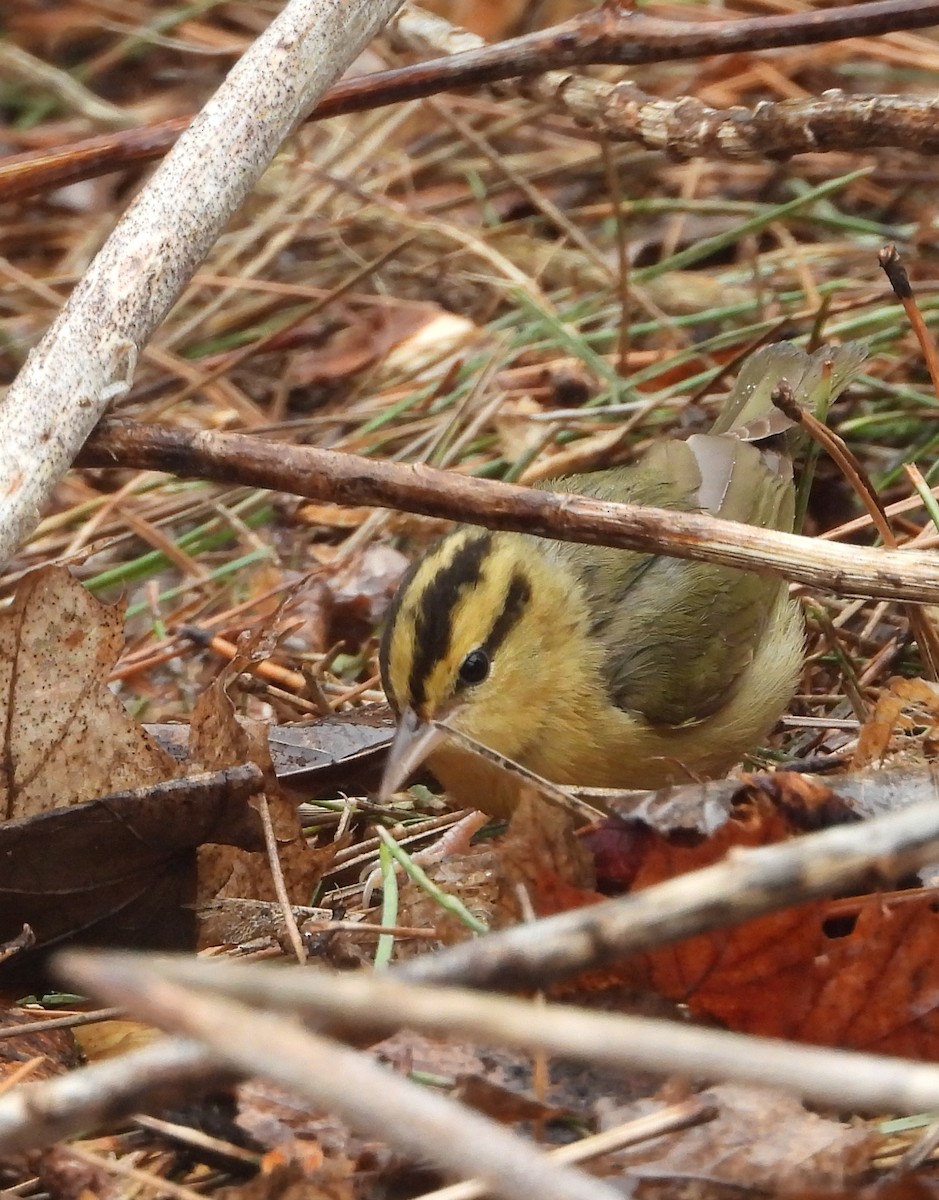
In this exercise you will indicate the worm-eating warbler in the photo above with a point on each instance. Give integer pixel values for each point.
(601, 667)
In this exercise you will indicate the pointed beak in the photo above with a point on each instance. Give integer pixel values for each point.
(414, 740)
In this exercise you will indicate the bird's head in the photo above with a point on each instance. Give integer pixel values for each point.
(478, 639)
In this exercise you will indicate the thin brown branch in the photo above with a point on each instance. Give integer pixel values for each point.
(376, 1102)
(148, 1079)
(624, 36)
(850, 467)
(687, 128)
(88, 356)
(627, 38)
(841, 454)
(43, 1024)
(358, 1002)
(896, 272)
(351, 479)
(43, 170)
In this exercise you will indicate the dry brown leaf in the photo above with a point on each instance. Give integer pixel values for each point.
(218, 738)
(869, 981)
(921, 1186)
(321, 756)
(518, 434)
(903, 706)
(439, 334)
(54, 1050)
(66, 735)
(120, 870)
(761, 1141)
(300, 1145)
(283, 1178)
(368, 337)
(538, 854)
(541, 854)
(63, 1175)
(497, 19)
(365, 585)
(19, 943)
(99, 831)
(111, 1039)
(504, 1104)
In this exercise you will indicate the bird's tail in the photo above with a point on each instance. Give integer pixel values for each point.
(815, 379)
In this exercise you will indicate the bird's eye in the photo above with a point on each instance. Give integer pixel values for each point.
(475, 667)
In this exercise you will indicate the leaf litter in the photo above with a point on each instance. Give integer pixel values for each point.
(859, 975)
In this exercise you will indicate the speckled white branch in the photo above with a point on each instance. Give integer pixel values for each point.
(87, 357)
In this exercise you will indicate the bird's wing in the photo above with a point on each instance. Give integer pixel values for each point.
(677, 633)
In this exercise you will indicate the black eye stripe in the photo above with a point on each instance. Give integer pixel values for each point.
(434, 616)
(391, 618)
(433, 625)
(516, 600)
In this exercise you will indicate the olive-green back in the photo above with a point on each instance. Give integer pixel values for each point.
(679, 633)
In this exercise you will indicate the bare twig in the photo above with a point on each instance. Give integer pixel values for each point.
(88, 356)
(684, 127)
(41, 1023)
(163, 1073)
(277, 876)
(655, 1124)
(350, 479)
(623, 36)
(378, 1003)
(375, 1101)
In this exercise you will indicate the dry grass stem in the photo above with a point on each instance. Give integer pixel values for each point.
(88, 358)
(669, 1120)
